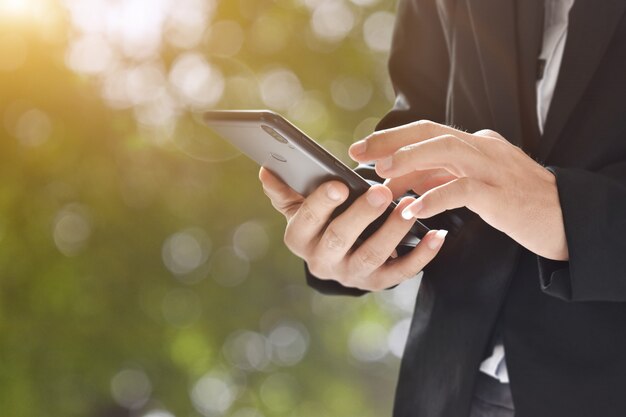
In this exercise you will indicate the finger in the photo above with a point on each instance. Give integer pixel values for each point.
(343, 231)
(418, 181)
(448, 152)
(385, 142)
(436, 179)
(408, 266)
(283, 197)
(462, 192)
(312, 215)
(400, 185)
(379, 247)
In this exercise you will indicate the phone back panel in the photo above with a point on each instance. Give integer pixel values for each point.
(284, 155)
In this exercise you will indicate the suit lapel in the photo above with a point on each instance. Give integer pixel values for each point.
(591, 27)
(493, 27)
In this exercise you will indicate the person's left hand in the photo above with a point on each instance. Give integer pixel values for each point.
(480, 171)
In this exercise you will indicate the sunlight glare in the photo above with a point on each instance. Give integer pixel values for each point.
(16, 7)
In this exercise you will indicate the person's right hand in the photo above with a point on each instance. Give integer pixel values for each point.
(327, 246)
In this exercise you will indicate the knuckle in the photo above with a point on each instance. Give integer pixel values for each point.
(367, 257)
(414, 267)
(489, 133)
(410, 272)
(288, 210)
(307, 214)
(333, 240)
(450, 143)
(426, 125)
(319, 268)
(405, 153)
(315, 269)
(408, 148)
(499, 146)
(355, 268)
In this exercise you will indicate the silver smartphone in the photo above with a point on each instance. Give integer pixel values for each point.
(303, 164)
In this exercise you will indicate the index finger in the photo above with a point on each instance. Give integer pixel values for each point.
(418, 181)
(385, 142)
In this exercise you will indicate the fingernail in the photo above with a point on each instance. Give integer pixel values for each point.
(412, 210)
(437, 240)
(375, 197)
(358, 148)
(333, 193)
(385, 164)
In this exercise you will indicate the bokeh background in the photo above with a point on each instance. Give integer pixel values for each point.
(142, 271)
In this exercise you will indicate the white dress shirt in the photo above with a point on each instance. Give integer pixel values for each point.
(556, 19)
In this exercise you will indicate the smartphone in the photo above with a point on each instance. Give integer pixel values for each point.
(299, 161)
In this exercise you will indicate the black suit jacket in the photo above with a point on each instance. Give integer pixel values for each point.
(472, 64)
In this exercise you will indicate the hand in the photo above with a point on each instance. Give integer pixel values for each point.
(327, 245)
(480, 171)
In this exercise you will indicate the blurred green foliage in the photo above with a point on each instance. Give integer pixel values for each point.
(143, 272)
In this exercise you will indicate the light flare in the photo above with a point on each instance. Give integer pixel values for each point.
(17, 8)
(23, 11)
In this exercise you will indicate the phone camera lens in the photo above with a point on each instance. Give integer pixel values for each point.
(274, 134)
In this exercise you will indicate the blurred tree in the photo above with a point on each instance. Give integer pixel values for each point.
(142, 270)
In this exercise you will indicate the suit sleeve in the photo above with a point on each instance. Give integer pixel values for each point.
(594, 214)
(418, 67)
